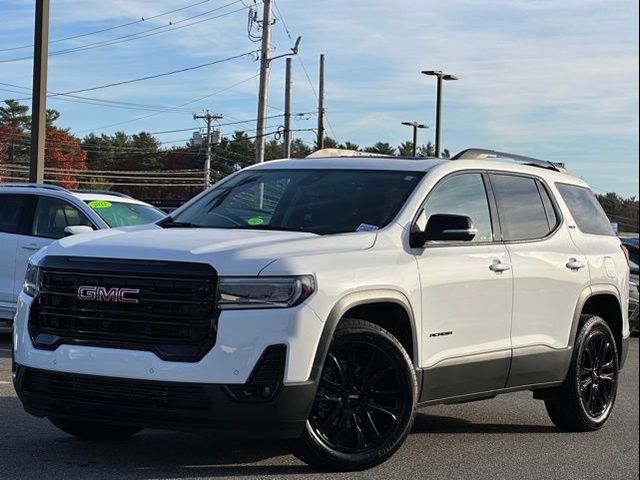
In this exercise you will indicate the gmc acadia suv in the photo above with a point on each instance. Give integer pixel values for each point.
(322, 301)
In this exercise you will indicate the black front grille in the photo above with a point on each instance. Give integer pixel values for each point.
(174, 314)
(115, 392)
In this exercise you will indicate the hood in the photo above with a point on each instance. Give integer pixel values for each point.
(230, 252)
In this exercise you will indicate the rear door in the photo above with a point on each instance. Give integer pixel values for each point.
(14, 210)
(550, 275)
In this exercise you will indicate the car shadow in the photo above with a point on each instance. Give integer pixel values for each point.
(425, 423)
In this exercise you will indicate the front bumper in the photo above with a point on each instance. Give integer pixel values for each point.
(163, 405)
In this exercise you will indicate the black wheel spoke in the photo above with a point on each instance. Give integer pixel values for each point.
(379, 376)
(358, 433)
(371, 425)
(385, 410)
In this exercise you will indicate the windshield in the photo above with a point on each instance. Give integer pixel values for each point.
(120, 214)
(316, 201)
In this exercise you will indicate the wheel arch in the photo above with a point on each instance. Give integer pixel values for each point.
(377, 304)
(604, 301)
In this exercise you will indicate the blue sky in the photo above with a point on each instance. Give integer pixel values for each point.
(556, 79)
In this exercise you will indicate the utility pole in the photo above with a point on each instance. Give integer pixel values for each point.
(287, 110)
(415, 126)
(440, 78)
(321, 106)
(265, 68)
(207, 163)
(39, 95)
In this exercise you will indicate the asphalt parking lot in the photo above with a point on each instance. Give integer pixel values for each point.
(509, 437)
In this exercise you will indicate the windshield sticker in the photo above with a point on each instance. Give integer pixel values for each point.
(365, 227)
(255, 221)
(99, 204)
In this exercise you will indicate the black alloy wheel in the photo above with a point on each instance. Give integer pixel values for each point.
(598, 374)
(360, 399)
(365, 402)
(585, 400)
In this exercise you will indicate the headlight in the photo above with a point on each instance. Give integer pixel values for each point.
(236, 293)
(31, 280)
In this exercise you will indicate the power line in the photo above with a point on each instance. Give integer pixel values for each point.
(143, 19)
(136, 36)
(150, 77)
(304, 68)
(190, 102)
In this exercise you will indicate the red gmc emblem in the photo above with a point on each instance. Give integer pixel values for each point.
(101, 294)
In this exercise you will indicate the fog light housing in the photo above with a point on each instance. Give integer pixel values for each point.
(266, 379)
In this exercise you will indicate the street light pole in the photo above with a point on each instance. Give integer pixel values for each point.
(415, 126)
(440, 76)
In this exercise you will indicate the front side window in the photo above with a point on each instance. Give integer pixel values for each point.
(464, 195)
(53, 215)
(316, 201)
(120, 214)
(11, 210)
(586, 210)
(522, 212)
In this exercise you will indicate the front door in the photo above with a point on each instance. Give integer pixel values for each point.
(466, 297)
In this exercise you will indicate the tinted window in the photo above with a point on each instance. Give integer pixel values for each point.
(117, 214)
(552, 215)
(522, 213)
(317, 201)
(461, 195)
(53, 215)
(586, 210)
(11, 209)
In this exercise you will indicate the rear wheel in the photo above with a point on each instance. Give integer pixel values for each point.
(585, 400)
(365, 403)
(94, 431)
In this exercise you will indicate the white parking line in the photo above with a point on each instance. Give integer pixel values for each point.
(4, 383)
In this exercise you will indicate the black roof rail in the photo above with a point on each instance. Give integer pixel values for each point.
(103, 192)
(484, 154)
(33, 185)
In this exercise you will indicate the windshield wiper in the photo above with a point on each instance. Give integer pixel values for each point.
(169, 222)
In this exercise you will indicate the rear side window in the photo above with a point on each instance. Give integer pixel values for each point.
(586, 210)
(11, 210)
(522, 212)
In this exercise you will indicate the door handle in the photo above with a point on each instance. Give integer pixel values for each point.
(499, 267)
(31, 246)
(575, 264)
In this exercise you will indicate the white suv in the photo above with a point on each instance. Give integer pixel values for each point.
(34, 215)
(323, 300)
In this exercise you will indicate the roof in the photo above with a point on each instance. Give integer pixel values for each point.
(52, 189)
(355, 163)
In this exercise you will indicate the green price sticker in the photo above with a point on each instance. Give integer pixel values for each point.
(99, 204)
(255, 221)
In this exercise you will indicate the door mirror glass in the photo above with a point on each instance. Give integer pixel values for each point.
(77, 230)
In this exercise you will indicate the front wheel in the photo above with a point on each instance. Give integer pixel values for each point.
(365, 403)
(94, 431)
(584, 401)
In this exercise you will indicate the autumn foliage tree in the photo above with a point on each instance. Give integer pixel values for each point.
(64, 153)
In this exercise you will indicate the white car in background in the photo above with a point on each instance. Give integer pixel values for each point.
(33, 215)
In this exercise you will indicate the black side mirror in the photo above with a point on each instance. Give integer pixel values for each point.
(445, 228)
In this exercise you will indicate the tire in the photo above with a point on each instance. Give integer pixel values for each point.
(584, 402)
(365, 404)
(94, 431)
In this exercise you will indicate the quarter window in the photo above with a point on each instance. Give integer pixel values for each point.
(522, 212)
(586, 210)
(461, 195)
(53, 215)
(11, 210)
